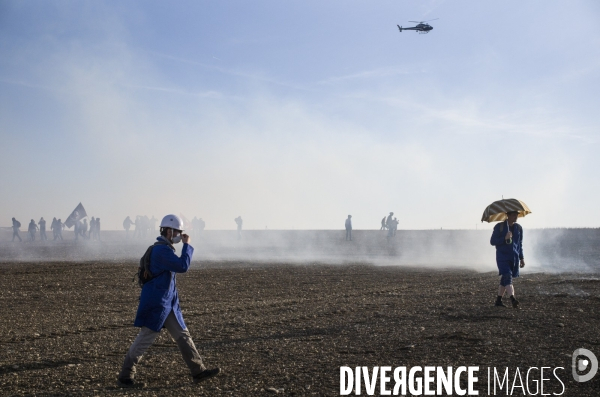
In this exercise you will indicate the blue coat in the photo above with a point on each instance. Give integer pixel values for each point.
(508, 255)
(159, 295)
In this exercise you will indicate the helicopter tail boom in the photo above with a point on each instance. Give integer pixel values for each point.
(399, 28)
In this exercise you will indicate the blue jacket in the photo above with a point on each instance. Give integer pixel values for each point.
(159, 295)
(508, 255)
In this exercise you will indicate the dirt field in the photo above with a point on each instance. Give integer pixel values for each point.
(286, 329)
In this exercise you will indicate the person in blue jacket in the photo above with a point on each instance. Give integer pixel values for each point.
(159, 305)
(508, 240)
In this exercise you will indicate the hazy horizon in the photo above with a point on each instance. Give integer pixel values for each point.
(296, 114)
(550, 250)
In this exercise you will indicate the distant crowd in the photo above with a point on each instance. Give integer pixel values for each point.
(82, 229)
(388, 223)
(144, 226)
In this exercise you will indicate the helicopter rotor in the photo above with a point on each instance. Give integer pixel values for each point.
(424, 21)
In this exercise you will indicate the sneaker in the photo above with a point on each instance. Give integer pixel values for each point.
(206, 374)
(500, 304)
(129, 383)
(125, 382)
(515, 303)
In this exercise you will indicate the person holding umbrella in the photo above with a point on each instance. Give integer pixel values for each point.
(507, 237)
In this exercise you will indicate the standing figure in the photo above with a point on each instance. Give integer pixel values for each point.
(349, 228)
(79, 228)
(508, 240)
(239, 222)
(84, 229)
(153, 221)
(127, 225)
(31, 230)
(383, 227)
(92, 233)
(146, 223)
(159, 304)
(15, 226)
(395, 225)
(98, 229)
(137, 227)
(59, 228)
(140, 226)
(53, 228)
(42, 224)
(76, 228)
(389, 224)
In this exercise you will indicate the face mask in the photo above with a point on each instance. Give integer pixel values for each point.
(176, 239)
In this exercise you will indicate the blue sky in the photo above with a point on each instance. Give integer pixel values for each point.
(295, 114)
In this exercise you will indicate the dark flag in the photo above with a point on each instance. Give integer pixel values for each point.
(77, 214)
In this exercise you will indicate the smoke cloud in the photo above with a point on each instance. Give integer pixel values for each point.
(546, 250)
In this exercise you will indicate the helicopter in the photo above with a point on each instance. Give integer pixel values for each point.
(422, 27)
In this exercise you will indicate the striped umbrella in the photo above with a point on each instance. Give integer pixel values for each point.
(496, 212)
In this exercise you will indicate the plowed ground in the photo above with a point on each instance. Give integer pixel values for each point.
(285, 329)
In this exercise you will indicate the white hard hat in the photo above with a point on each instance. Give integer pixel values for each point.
(172, 221)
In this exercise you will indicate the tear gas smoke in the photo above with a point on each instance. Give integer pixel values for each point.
(546, 250)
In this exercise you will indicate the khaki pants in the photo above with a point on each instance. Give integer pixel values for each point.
(145, 339)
